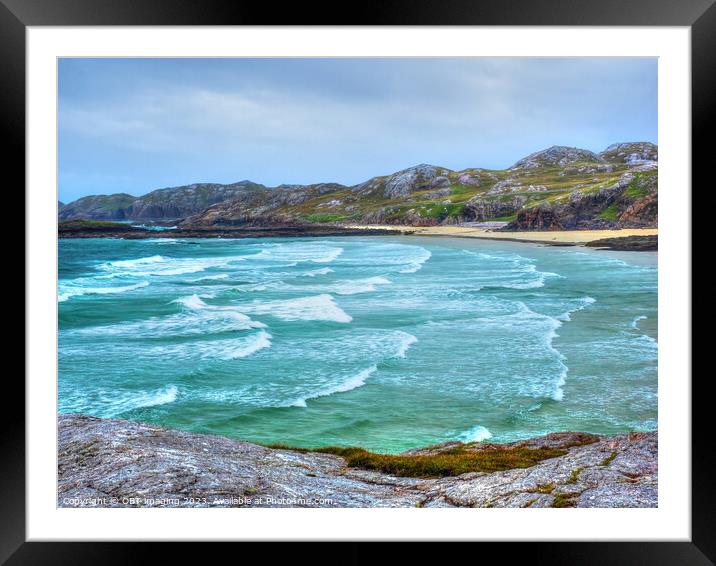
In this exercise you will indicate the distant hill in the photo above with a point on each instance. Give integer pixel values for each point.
(162, 204)
(556, 188)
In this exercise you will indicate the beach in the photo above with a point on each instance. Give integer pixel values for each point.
(562, 237)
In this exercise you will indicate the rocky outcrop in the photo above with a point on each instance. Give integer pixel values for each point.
(403, 183)
(479, 208)
(537, 218)
(642, 213)
(627, 243)
(556, 156)
(112, 463)
(631, 153)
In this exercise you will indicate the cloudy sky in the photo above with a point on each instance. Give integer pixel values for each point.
(134, 125)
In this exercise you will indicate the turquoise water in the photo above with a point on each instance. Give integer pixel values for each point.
(384, 342)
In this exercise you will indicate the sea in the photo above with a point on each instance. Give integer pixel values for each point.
(383, 342)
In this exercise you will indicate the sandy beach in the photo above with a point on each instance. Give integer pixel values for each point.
(553, 237)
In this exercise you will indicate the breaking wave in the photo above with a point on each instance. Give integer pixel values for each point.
(353, 382)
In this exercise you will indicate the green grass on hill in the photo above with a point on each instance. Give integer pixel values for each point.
(437, 210)
(325, 217)
(459, 189)
(636, 189)
(610, 213)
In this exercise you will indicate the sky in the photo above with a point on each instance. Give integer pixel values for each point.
(135, 125)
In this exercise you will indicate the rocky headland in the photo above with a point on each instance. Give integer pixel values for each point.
(115, 463)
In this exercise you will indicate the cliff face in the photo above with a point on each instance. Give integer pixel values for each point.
(630, 202)
(113, 463)
(582, 189)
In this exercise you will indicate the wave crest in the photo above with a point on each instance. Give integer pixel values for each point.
(353, 382)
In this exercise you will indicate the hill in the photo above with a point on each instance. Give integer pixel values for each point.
(556, 188)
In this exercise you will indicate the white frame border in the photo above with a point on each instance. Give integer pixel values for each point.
(670, 521)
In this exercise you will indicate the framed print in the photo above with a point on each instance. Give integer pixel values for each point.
(424, 275)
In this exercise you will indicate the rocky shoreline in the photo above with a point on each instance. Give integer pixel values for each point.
(113, 230)
(627, 244)
(115, 463)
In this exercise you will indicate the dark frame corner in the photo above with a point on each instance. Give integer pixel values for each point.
(17, 15)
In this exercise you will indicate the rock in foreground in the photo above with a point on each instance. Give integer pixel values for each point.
(113, 463)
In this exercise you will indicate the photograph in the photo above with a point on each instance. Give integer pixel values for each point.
(365, 282)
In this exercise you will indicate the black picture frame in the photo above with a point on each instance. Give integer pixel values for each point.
(17, 15)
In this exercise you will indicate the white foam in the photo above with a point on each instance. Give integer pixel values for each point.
(68, 290)
(396, 258)
(199, 318)
(558, 394)
(477, 433)
(353, 382)
(357, 286)
(329, 256)
(407, 340)
(319, 307)
(162, 266)
(229, 349)
(416, 264)
(635, 322)
(509, 271)
(124, 263)
(210, 278)
(257, 342)
(299, 252)
(315, 272)
(582, 304)
(191, 302)
(343, 287)
(553, 325)
(128, 401)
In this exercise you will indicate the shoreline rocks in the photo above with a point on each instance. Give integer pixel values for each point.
(627, 244)
(128, 232)
(115, 463)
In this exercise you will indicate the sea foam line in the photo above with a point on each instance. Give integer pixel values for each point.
(159, 266)
(318, 307)
(407, 341)
(584, 302)
(353, 382)
(417, 263)
(68, 291)
(341, 287)
(558, 394)
(130, 401)
(226, 349)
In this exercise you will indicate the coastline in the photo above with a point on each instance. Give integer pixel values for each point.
(627, 239)
(116, 463)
